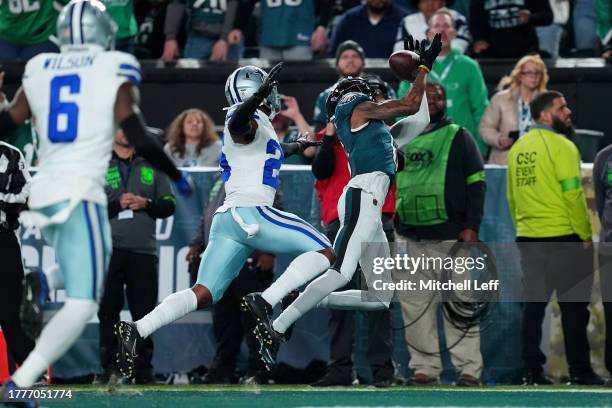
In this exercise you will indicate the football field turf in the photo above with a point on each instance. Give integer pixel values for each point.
(305, 396)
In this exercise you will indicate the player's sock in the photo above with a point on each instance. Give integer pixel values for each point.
(309, 298)
(302, 270)
(351, 300)
(172, 308)
(56, 338)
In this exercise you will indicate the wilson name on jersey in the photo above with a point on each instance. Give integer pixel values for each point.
(72, 97)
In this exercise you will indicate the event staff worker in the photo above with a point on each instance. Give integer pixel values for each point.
(440, 197)
(137, 196)
(550, 214)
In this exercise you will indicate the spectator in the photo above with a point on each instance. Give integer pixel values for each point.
(122, 13)
(14, 191)
(373, 25)
(416, 24)
(289, 30)
(585, 28)
(150, 16)
(23, 136)
(508, 116)
(230, 324)
(331, 169)
(604, 26)
(455, 180)
(461, 77)
(26, 28)
(507, 29)
(603, 195)
(210, 33)
(549, 36)
(547, 205)
(291, 115)
(193, 140)
(137, 196)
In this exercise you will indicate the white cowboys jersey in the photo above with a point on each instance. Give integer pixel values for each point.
(251, 171)
(72, 97)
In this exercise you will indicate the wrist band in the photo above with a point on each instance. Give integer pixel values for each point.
(424, 68)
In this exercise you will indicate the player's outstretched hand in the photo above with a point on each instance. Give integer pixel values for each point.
(270, 82)
(429, 55)
(410, 44)
(304, 143)
(185, 184)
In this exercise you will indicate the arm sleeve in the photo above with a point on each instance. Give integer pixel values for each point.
(324, 162)
(598, 182)
(567, 172)
(479, 24)
(174, 16)
(541, 13)
(490, 123)
(241, 119)
(473, 170)
(163, 204)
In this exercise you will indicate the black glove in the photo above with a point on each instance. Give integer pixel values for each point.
(303, 143)
(410, 44)
(429, 55)
(270, 82)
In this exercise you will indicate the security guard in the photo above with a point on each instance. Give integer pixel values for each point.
(549, 212)
(137, 196)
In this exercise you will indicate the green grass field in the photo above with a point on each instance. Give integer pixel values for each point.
(305, 396)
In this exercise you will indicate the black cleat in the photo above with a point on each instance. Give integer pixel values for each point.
(11, 394)
(257, 306)
(129, 341)
(35, 294)
(270, 341)
(287, 300)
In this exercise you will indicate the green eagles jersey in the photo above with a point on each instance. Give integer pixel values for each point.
(122, 12)
(24, 138)
(369, 148)
(205, 12)
(287, 23)
(27, 22)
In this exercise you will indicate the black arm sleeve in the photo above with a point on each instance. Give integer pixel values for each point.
(6, 123)
(289, 149)
(475, 191)
(114, 208)
(161, 207)
(324, 162)
(147, 147)
(241, 122)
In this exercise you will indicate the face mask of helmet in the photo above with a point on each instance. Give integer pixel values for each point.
(85, 24)
(244, 82)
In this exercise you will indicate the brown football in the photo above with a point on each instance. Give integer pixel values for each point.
(404, 64)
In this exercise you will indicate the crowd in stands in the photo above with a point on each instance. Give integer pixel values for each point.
(227, 30)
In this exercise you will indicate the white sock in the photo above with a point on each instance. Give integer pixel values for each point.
(350, 300)
(309, 298)
(172, 308)
(54, 276)
(56, 338)
(302, 270)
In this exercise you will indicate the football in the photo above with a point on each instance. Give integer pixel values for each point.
(404, 64)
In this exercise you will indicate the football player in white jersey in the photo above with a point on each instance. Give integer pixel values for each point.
(76, 99)
(251, 157)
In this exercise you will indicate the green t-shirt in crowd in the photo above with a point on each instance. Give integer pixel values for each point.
(466, 91)
(122, 12)
(28, 22)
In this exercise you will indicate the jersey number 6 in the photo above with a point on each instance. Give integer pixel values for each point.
(63, 116)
